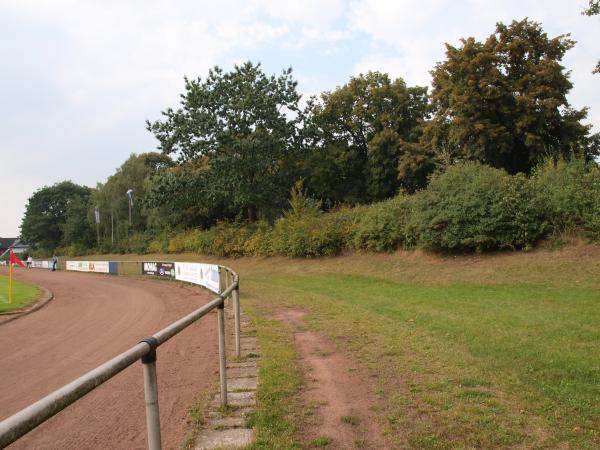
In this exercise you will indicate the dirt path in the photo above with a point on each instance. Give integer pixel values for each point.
(337, 399)
(91, 319)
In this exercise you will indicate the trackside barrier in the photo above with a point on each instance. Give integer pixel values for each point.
(17, 425)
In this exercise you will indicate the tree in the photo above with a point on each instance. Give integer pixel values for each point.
(243, 124)
(182, 197)
(593, 9)
(77, 229)
(503, 101)
(111, 200)
(360, 130)
(51, 211)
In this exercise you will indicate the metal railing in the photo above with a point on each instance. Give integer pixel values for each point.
(19, 424)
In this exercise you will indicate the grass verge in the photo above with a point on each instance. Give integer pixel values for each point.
(23, 295)
(280, 381)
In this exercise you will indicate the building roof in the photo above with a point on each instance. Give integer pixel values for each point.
(19, 244)
(7, 242)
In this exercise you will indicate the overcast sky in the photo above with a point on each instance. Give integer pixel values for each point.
(79, 78)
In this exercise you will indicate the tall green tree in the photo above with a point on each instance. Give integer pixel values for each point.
(56, 214)
(111, 199)
(77, 230)
(503, 101)
(183, 197)
(244, 124)
(359, 132)
(593, 9)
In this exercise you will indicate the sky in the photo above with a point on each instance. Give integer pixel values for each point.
(80, 78)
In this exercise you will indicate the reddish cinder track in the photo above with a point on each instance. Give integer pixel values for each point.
(91, 319)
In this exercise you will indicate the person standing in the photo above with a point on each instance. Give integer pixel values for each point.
(54, 263)
(29, 262)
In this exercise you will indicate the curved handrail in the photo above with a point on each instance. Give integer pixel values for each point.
(20, 423)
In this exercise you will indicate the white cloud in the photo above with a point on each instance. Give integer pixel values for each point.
(412, 34)
(318, 13)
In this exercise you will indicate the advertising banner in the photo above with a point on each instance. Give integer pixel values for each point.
(206, 275)
(40, 264)
(159, 269)
(211, 277)
(72, 265)
(89, 266)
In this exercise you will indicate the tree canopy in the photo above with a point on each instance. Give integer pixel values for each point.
(503, 101)
(243, 126)
(593, 9)
(112, 202)
(55, 215)
(359, 131)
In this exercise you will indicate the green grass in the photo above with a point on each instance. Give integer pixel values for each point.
(23, 295)
(494, 351)
(280, 382)
(533, 349)
(322, 441)
(458, 364)
(350, 420)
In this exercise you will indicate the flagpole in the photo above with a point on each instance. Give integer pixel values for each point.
(10, 279)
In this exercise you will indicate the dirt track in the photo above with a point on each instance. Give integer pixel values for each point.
(91, 319)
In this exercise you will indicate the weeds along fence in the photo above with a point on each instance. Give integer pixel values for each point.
(19, 424)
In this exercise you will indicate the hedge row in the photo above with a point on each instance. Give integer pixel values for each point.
(468, 208)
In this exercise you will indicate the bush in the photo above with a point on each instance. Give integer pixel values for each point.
(383, 226)
(259, 242)
(138, 243)
(570, 195)
(228, 240)
(183, 242)
(159, 244)
(476, 207)
(69, 250)
(307, 236)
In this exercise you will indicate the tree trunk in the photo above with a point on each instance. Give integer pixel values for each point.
(252, 213)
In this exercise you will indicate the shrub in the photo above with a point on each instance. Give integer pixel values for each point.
(160, 243)
(383, 226)
(570, 195)
(307, 236)
(228, 240)
(305, 231)
(186, 241)
(138, 243)
(475, 207)
(259, 242)
(69, 250)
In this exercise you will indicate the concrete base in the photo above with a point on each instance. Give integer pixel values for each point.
(227, 429)
(228, 438)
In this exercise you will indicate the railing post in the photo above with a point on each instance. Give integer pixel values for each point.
(151, 395)
(222, 361)
(227, 278)
(236, 316)
(222, 281)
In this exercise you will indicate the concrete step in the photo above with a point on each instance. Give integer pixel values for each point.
(229, 438)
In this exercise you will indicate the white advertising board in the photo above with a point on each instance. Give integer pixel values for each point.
(211, 277)
(88, 266)
(40, 264)
(206, 275)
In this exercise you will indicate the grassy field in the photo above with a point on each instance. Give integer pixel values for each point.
(23, 295)
(495, 351)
